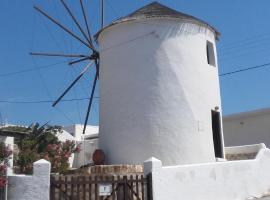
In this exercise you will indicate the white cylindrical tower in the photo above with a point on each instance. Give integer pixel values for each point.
(159, 87)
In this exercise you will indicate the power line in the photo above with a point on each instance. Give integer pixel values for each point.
(44, 101)
(249, 46)
(87, 98)
(31, 69)
(236, 56)
(245, 40)
(245, 69)
(116, 13)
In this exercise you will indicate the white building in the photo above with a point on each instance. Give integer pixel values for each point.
(77, 129)
(159, 88)
(247, 128)
(88, 142)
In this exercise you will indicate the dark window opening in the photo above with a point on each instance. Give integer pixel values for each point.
(217, 137)
(210, 54)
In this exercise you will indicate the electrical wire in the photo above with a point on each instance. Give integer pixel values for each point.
(235, 56)
(116, 13)
(31, 69)
(44, 101)
(245, 69)
(87, 98)
(244, 41)
(241, 48)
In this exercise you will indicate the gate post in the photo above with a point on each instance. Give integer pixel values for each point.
(149, 187)
(41, 178)
(125, 188)
(31, 187)
(151, 166)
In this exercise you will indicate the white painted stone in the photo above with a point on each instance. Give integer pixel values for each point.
(232, 180)
(35, 187)
(41, 168)
(155, 86)
(151, 165)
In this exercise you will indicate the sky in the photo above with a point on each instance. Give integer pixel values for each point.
(244, 42)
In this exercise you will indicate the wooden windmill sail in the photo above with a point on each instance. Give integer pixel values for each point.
(85, 39)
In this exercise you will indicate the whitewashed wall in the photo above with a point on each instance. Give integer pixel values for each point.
(245, 149)
(247, 128)
(34, 187)
(77, 129)
(87, 146)
(157, 91)
(234, 180)
(64, 136)
(85, 156)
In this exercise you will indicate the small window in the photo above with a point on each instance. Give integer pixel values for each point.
(210, 54)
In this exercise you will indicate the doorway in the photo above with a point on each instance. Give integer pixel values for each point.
(217, 134)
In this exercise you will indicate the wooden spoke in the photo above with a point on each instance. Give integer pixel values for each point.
(73, 83)
(61, 26)
(58, 55)
(78, 61)
(90, 102)
(76, 22)
(85, 21)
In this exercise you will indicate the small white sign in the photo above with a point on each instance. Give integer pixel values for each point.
(105, 189)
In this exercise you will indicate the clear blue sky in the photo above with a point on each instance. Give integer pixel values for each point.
(244, 42)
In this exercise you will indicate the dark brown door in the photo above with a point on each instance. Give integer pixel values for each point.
(216, 128)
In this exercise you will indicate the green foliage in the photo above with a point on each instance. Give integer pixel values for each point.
(42, 142)
(16, 128)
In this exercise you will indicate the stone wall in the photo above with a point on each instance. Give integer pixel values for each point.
(111, 170)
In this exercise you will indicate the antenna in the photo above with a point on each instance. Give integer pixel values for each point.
(1, 119)
(102, 14)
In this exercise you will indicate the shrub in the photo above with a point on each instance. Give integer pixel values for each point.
(59, 154)
(42, 143)
(5, 153)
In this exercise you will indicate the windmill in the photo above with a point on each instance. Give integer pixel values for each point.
(86, 39)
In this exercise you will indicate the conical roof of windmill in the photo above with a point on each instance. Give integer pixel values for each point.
(157, 10)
